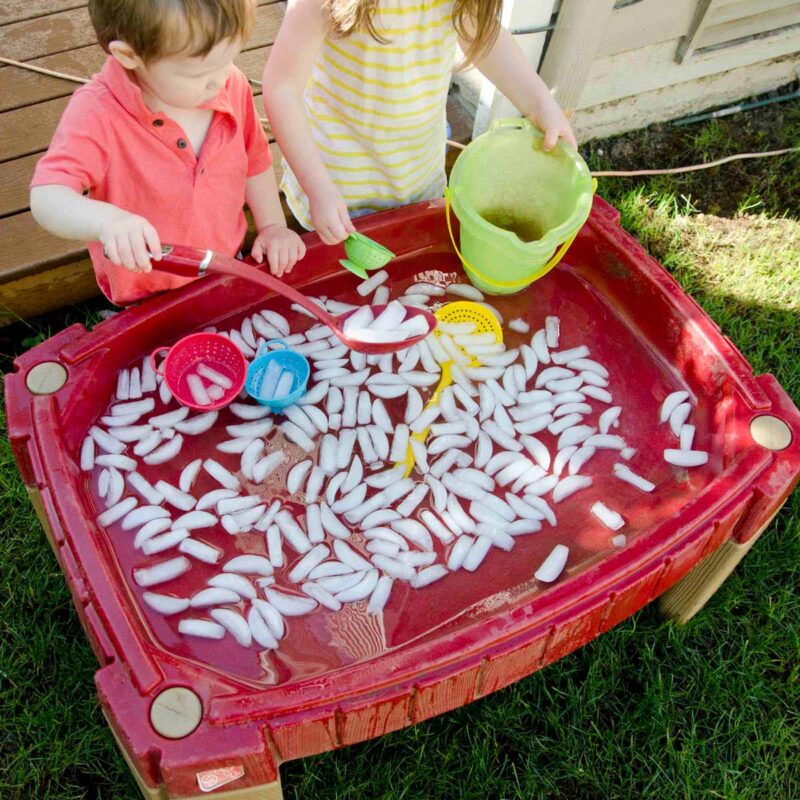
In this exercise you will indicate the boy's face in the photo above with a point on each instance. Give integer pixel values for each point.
(188, 81)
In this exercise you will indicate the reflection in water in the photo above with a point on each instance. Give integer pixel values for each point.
(355, 633)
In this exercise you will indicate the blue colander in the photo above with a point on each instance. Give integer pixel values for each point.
(288, 361)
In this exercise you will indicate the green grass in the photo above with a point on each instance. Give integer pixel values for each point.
(648, 710)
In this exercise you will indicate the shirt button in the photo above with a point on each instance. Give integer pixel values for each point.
(182, 143)
(157, 123)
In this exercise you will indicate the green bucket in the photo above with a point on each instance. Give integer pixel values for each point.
(519, 207)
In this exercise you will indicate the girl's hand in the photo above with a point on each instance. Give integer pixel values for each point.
(329, 215)
(128, 240)
(282, 247)
(552, 121)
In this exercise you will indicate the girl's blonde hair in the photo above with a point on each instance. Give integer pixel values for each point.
(349, 16)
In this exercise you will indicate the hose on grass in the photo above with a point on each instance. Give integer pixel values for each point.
(693, 167)
(674, 170)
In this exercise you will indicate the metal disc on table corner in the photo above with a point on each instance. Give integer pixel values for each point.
(46, 378)
(771, 432)
(176, 712)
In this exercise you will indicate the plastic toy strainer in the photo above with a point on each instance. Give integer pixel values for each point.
(485, 322)
(364, 253)
(187, 354)
(288, 361)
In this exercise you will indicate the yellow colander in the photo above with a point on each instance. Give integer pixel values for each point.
(485, 322)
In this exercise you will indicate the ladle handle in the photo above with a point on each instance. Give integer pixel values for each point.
(193, 262)
(179, 259)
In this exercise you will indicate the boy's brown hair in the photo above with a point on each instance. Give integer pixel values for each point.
(349, 16)
(160, 28)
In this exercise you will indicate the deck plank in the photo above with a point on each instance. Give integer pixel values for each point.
(18, 10)
(29, 249)
(29, 130)
(20, 88)
(15, 177)
(42, 36)
(30, 295)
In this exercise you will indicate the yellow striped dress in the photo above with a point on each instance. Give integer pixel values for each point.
(377, 111)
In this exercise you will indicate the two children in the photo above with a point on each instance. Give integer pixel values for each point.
(165, 145)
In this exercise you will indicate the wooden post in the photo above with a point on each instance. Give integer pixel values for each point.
(683, 600)
(688, 596)
(699, 23)
(573, 48)
(517, 15)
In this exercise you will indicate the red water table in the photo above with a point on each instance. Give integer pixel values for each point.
(195, 716)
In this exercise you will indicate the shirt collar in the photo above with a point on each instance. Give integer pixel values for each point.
(129, 94)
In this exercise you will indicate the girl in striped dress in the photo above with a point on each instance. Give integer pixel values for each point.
(356, 93)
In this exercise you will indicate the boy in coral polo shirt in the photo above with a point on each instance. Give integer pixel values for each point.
(163, 145)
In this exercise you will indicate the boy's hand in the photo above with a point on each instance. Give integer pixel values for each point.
(282, 247)
(329, 215)
(552, 121)
(128, 240)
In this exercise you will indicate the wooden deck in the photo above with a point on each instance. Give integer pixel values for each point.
(39, 272)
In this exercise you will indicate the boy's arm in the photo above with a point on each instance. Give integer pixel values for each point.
(126, 237)
(261, 195)
(285, 77)
(76, 161)
(506, 66)
(282, 247)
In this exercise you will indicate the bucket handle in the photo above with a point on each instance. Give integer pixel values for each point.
(560, 253)
(516, 123)
(514, 284)
(266, 345)
(153, 360)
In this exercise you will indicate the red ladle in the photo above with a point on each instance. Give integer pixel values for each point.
(191, 262)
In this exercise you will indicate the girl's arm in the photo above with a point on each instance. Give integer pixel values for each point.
(126, 237)
(505, 65)
(282, 247)
(285, 77)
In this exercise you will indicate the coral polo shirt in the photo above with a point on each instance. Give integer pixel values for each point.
(110, 145)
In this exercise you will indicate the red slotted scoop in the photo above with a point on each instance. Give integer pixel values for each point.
(193, 262)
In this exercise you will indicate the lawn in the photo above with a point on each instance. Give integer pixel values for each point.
(649, 710)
